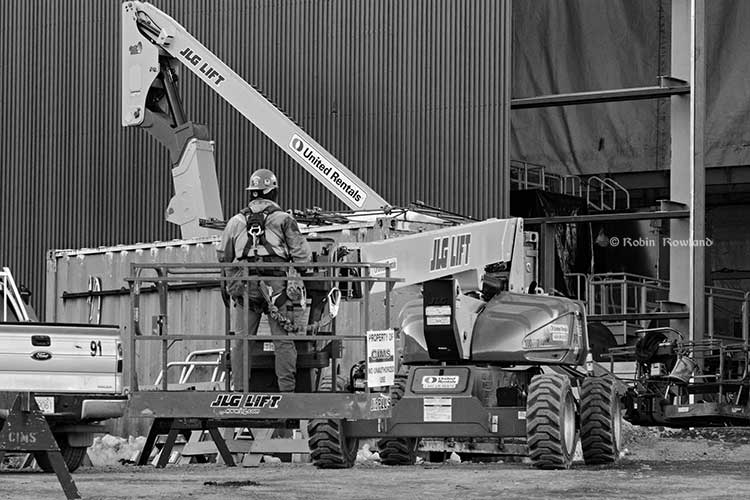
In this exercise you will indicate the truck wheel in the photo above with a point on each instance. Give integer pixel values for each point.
(601, 421)
(330, 448)
(72, 455)
(398, 451)
(551, 422)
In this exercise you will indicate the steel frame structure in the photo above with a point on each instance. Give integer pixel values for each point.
(686, 207)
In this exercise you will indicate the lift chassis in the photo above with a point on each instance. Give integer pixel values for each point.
(491, 364)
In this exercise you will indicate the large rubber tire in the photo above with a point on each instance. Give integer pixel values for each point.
(72, 455)
(398, 451)
(551, 430)
(329, 446)
(601, 421)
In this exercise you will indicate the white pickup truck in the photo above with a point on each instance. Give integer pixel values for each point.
(74, 371)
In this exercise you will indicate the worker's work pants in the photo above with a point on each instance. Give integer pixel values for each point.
(285, 350)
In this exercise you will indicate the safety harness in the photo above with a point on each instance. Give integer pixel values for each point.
(256, 237)
(255, 223)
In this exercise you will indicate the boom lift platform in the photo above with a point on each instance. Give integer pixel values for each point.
(260, 404)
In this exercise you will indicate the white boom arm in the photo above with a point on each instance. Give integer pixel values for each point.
(460, 251)
(147, 31)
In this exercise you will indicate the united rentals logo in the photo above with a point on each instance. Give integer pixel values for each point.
(245, 404)
(342, 183)
(450, 251)
(440, 381)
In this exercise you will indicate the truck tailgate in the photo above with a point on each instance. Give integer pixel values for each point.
(52, 357)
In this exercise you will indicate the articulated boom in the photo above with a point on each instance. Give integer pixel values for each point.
(152, 44)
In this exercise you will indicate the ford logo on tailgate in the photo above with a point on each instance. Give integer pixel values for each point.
(41, 355)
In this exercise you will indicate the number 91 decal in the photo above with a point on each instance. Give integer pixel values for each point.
(96, 347)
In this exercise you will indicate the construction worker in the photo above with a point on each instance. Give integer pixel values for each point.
(263, 232)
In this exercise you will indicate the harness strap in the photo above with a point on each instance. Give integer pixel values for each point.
(256, 234)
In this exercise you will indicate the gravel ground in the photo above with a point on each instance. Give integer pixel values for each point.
(656, 465)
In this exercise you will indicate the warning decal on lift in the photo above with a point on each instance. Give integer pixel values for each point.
(381, 358)
(380, 402)
(440, 381)
(341, 182)
(438, 409)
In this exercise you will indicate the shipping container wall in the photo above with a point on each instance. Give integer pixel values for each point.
(411, 95)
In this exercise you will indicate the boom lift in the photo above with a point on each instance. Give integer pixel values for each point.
(153, 45)
(484, 356)
(487, 364)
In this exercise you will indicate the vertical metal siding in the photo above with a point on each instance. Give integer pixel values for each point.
(407, 93)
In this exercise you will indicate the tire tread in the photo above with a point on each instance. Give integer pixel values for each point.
(544, 427)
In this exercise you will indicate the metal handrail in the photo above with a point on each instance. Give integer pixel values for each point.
(601, 290)
(188, 368)
(13, 296)
(602, 205)
(523, 168)
(576, 185)
(617, 186)
(165, 274)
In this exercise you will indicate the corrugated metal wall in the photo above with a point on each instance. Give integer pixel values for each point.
(409, 94)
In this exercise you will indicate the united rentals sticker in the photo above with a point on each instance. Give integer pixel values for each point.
(245, 404)
(450, 251)
(316, 160)
(440, 381)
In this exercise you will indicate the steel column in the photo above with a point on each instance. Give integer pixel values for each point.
(687, 179)
(506, 70)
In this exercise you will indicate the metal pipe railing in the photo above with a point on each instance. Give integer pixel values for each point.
(170, 273)
(615, 293)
